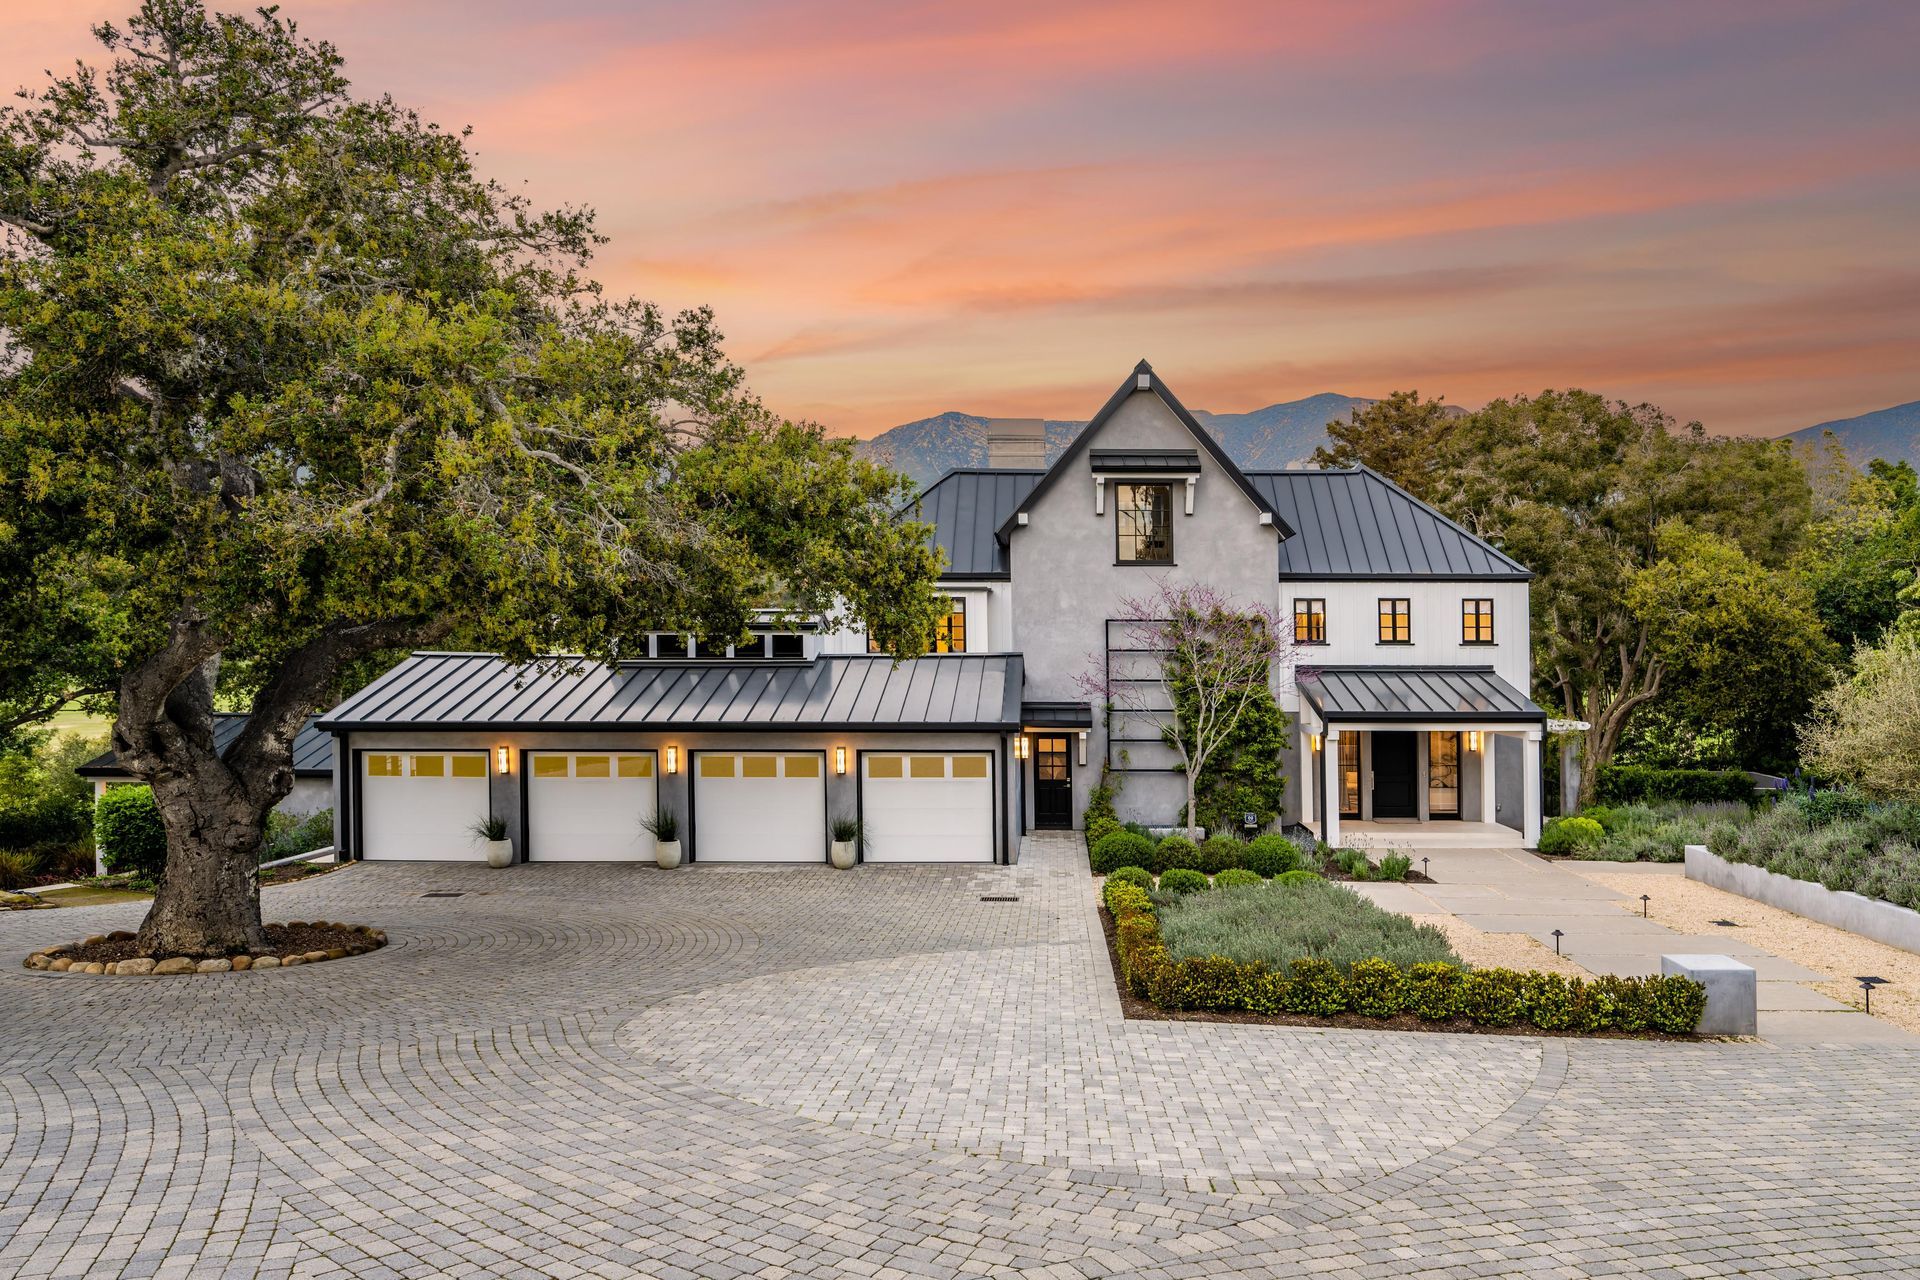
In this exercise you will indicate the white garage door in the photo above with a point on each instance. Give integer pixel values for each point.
(420, 806)
(759, 806)
(586, 806)
(925, 806)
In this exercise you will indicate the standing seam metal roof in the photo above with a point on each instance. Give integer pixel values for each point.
(1425, 693)
(446, 690)
(966, 509)
(312, 750)
(1358, 524)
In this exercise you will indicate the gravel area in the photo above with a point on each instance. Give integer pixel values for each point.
(1485, 950)
(1691, 907)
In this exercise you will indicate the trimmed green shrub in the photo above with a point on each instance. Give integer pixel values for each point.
(1546, 1001)
(1182, 880)
(1123, 898)
(1221, 853)
(1099, 829)
(1616, 1002)
(1314, 987)
(1299, 876)
(1121, 849)
(1374, 988)
(1433, 990)
(1131, 875)
(1235, 876)
(1492, 997)
(1395, 866)
(1270, 855)
(1622, 783)
(1176, 852)
(1674, 1004)
(127, 824)
(1571, 835)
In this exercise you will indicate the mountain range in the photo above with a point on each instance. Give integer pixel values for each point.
(1286, 434)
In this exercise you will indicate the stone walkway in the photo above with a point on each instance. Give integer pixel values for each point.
(1512, 891)
(589, 1071)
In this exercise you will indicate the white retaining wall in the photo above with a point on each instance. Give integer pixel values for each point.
(1868, 917)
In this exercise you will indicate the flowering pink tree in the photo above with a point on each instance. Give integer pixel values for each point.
(1196, 660)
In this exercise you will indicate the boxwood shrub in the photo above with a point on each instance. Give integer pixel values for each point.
(1121, 849)
(1182, 880)
(1270, 855)
(1099, 829)
(1432, 991)
(127, 824)
(1233, 876)
(1131, 875)
(1221, 853)
(1571, 835)
(1298, 876)
(1176, 852)
(1375, 988)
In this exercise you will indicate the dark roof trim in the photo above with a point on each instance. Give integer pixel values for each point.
(1406, 577)
(1152, 461)
(312, 750)
(1056, 715)
(1478, 682)
(1200, 434)
(778, 728)
(1428, 717)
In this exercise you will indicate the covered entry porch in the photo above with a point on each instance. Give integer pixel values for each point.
(1435, 756)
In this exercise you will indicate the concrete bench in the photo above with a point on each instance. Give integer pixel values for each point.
(1733, 992)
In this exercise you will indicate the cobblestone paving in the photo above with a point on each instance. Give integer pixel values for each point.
(590, 1071)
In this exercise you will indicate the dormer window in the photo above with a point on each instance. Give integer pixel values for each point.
(1143, 523)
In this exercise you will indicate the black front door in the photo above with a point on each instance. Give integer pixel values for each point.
(1393, 776)
(1052, 784)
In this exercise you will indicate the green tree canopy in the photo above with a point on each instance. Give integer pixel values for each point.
(1864, 729)
(289, 385)
(1400, 437)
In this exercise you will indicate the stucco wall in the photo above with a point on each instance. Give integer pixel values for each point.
(842, 791)
(1070, 585)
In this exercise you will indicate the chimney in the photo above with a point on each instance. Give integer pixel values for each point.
(1017, 442)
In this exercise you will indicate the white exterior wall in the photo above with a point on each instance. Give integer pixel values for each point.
(1353, 627)
(989, 620)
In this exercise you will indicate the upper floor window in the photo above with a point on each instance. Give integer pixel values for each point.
(1396, 621)
(669, 646)
(786, 644)
(1476, 622)
(1309, 621)
(1143, 523)
(951, 635)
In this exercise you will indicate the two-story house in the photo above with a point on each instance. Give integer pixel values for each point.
(1405, 680)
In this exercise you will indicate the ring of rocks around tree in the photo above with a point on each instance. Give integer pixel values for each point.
(297, 942)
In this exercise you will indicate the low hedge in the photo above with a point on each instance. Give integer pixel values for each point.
(1625, 783)
(1182, 880)
(1139, 876)
(1122, 849)
(1375, 988)
(1570, 835)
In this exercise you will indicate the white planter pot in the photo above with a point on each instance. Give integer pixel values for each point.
(667, 854)
(499, 853)
(844, 854)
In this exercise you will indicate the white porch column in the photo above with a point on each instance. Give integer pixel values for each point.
(1530, 788)
(1307, 787)
(1489, 807)
(1330, 761)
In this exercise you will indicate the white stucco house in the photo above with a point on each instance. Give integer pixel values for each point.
(1406, 686)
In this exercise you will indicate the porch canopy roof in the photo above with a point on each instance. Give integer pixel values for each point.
(1439, 694)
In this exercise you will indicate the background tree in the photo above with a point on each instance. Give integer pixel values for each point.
(1863, 546)
(1212, 673)
(289, 387)
(1400, 437)
(1742, 648)
(1864, 730)
(1578, 489)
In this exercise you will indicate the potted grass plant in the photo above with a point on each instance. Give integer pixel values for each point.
(846, 842)
(491, 832)
(664, 826)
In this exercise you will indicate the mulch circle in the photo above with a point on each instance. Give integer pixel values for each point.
(299, 941)
(1132, 1006)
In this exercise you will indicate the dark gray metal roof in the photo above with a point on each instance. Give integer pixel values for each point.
(1358, 524)
(966, 508)
(312, 750)
(1056, 715)
(1178, 461)
(482, 690)
(1413, 693)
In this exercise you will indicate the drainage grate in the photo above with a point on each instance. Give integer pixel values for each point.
(445, 893)
(999, 897)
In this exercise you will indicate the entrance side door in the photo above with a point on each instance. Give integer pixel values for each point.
(1393, 776)
(1052, 783)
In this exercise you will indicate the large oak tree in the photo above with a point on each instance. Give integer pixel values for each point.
(286, 386)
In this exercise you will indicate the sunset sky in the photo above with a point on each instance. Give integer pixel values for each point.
(902, 208)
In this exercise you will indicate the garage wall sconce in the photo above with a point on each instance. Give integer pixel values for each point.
(503, 757)
(673, 759)
(840, 760)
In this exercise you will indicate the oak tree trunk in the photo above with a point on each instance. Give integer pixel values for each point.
(208, 904)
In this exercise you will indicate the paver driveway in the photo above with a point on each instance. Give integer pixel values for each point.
(578, 1070)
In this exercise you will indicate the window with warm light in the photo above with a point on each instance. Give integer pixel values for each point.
(1310, 621)
(1396, 621)
(1476, 622)
(950, 636)
(1143, 523)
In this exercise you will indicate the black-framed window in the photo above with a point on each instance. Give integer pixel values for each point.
(787, 644)
(1476, 621)
(1143, 523)
(1396, 620)
(710, 649)
(669, 646)
(1310, 621)
(951, 635)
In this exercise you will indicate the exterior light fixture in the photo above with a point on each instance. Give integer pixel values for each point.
(673, 759)
(839, 759)
(1867, 984)
(1473, 740)
(1020, 747)
(1315, 740)
(1083, 747)
(503, 757)
(1557, 935)
(1644, 900)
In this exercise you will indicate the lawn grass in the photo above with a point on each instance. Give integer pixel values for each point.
(1275, 924)
(90, 896)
